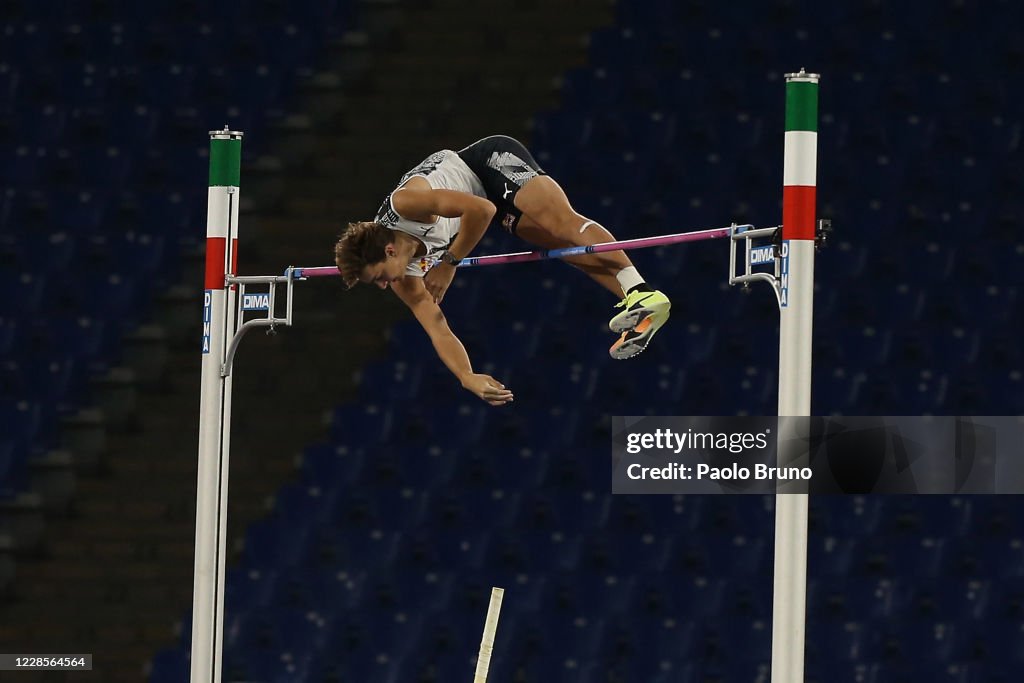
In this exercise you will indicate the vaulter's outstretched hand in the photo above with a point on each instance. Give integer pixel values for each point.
(438, 279)
(488, 389)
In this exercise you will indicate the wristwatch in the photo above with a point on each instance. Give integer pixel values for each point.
(447, 257)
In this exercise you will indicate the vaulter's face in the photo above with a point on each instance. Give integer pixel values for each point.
(383, 273)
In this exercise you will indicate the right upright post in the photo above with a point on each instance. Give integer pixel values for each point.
(795, 328)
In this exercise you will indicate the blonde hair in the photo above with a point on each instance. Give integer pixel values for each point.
(362, 244)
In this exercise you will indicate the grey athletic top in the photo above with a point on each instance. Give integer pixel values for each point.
(444, 170)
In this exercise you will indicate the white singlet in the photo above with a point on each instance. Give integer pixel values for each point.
(444, 170)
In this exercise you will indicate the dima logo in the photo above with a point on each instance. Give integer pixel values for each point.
(759, 255)
(784, 276)
(207, 315)
(256, 302)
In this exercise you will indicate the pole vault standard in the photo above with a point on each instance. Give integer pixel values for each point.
(215, 406)
(796, 310)
(227, 299)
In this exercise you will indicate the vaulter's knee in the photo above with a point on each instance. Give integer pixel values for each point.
(572, 227)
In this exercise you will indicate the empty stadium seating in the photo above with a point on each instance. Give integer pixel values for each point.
(375, 564)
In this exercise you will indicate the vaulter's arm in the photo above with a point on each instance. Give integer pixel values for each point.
(426, 205)
(413, 292)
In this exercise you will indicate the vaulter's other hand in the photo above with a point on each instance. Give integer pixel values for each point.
(488, 389)
(438, 279)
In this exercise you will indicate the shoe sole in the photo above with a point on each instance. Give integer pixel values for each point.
(634, 347)
(631, 319)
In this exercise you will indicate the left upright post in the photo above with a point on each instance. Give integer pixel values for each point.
(219, 313)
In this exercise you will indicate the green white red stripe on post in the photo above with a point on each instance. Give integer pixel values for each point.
(800, 174)
(215, 406)
(800, 159)
(225, 169)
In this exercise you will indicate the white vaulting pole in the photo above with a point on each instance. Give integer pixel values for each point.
(795, 326)
(483, 660)
(215, 407)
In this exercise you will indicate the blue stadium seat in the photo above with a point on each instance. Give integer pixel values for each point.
(950, 600)
(721, 556)
(58, 382)
(10, 335)
(993, 517)
(170, 665)
(249, 588)
(1001, 558)
(370, 421)
(42, 252)
(8, 84)
(646, 552)
(755, 634)
(363, 667)
(82, 337)
(134, 125)
(430, 664)
(43, 127)
(273, 542)
(21, 420)
(553, 427)
(843, 641)
(84, 84)
(1007, 393)
(463, 509)
(110, 296)
(387, 380)
(831, 556)
(933, 516)
(511, 467)
(271, 666)
(394, 594)
(576, 470)
(327, 464)
(23, 165)
(538, 512)
(13, 467)
(278, 630)
(305, 504)
(580, 511)
(80, 211)
(922, 556)
(834, 391)
(26, 292)
(550, 550)
(560, 633)
(724, 668)
(385, 508)
(696, 597)
(904, 641)
(858, 599)
(448, 551)
(848, 516)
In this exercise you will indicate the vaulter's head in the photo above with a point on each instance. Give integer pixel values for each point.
(368, 252)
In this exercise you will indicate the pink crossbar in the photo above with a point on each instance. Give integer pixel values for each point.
(524, 256)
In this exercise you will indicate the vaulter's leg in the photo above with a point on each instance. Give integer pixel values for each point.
(550, 221)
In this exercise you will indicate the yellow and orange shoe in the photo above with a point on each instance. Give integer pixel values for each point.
(639, 305)
(633, 341)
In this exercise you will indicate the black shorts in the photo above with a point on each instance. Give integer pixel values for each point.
(503, 165)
